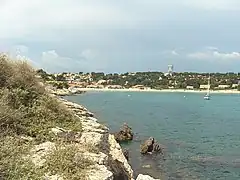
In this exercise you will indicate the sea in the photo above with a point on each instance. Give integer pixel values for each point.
(200, 138)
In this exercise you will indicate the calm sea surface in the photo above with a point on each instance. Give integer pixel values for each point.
(201, 138)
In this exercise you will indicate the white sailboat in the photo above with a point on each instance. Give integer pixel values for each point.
(207, 95)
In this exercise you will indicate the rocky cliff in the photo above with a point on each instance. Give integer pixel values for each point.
(110, 163)
(104, 156)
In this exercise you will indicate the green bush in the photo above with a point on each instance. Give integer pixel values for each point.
(12, 163)
(59, 85)
(26, 109)
(66, 162)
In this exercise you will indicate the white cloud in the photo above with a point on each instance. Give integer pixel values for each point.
(212, 48)
(38, 18)
(88, 54)
(232, 55)
(52, 61)
(173, 52)
(21, 49)
(22, 18)
(208, 55)
(214, 4)
(20, 52)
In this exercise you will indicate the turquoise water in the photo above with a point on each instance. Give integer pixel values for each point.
(201, 138)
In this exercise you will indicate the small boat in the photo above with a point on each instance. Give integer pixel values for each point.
(207, 96)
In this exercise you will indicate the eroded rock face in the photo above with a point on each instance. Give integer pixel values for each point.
(125, 134)
(126, 153)
(116, 153)
(98, 172)
(110, 162)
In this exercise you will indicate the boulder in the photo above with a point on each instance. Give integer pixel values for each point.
(150, 146)
(125, 134)
(145, 177)
(98, 172)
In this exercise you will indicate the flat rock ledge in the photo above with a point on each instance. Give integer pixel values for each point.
(109, 162)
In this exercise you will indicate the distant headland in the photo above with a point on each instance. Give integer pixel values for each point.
(143, 81)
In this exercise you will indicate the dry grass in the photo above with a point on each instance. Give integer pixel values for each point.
(66, 163)
(12, 163)
(26, 109)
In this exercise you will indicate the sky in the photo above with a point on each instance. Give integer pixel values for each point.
(122, 36)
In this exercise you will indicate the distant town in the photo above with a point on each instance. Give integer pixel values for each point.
(144, 80)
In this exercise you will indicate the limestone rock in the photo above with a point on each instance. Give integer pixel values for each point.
(110, 162)
(145, 177)
(100, 158)
(117, 154)
(150, 146)
(99, 172)
(40, 151)
(58, 130)
(125, 134)
(92, 126)
(126, 153)
(93, 139)
(26, 138)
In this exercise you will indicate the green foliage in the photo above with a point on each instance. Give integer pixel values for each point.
(43, 74)
(66, 162)
(158, 80)
(60, 78)
(26, 109)
(12, 162)
(60, 85)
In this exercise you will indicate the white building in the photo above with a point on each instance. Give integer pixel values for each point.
(190, 87)
(204, 86)
(235, 85)
(223, 86)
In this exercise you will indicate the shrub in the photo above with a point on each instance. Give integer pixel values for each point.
(12, 163)
(67, 163)
(26, 109)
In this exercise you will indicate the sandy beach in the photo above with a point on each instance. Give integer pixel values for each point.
(162, 90)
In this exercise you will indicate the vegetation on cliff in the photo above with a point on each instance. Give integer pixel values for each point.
(27, 114)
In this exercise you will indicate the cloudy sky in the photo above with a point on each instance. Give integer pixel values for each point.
(120, 36)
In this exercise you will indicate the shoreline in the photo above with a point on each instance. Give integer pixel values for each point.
(111, 162)
(162, 90)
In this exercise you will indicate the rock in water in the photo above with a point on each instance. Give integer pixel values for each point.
(125, 134)
(157, 147)
(147, 146)
(150, 146)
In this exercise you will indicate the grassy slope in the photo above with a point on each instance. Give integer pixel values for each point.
(27, 110)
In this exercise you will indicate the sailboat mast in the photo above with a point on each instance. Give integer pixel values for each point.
(209, 84)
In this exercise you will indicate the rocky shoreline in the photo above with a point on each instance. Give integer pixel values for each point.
(110, 162)
(64, 91)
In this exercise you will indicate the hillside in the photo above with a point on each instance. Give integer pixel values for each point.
(43, 136)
